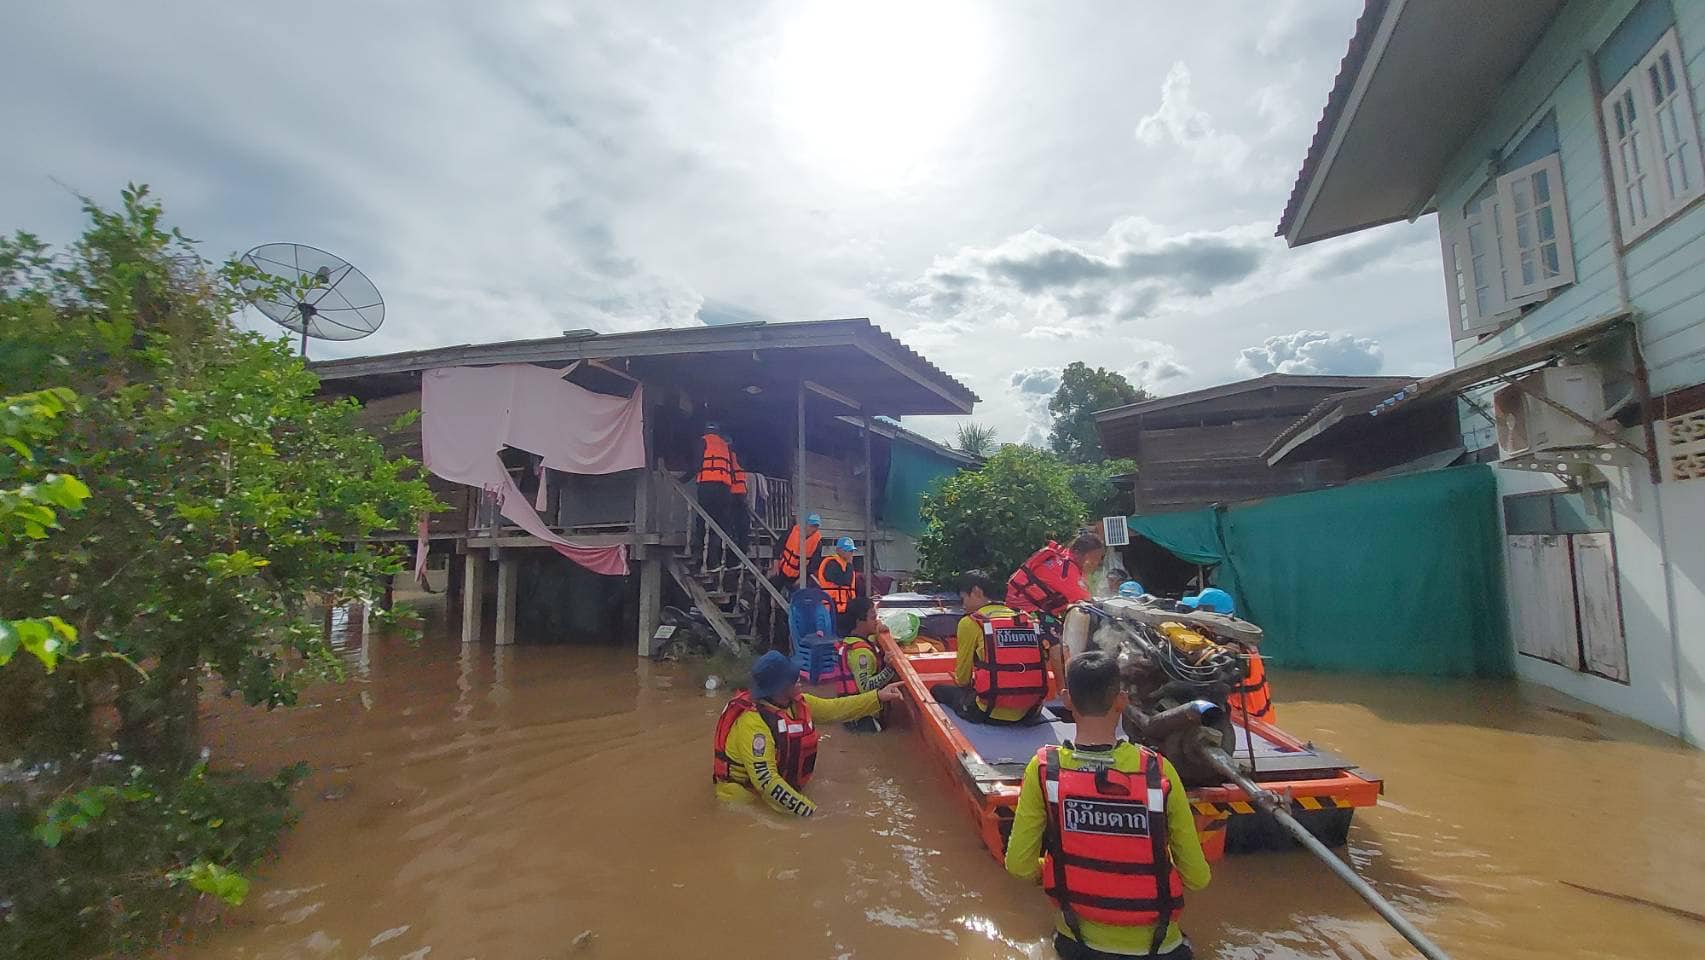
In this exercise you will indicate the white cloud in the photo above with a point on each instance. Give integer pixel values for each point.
(1179, 120)
(1313, 351)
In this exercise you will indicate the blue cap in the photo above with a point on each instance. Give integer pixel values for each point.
(813, 519)
(1131, 588)
(772, 675)
(1212, 599)
(845, 543)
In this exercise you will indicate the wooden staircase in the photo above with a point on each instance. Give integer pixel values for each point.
(729, 585)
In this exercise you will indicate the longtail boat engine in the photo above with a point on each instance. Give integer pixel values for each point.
(1173, 659)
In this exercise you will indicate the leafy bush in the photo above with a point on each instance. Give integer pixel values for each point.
(221, 494)
(994, 517)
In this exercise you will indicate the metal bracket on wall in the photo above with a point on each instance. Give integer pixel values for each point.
(1648, 456)
(1575, 464)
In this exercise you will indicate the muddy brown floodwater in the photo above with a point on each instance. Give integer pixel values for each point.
(500, 803)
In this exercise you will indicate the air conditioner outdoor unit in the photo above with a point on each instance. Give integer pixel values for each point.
(1115, 532)
(1528, 425)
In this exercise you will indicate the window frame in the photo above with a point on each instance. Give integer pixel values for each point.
(1510, 187)
(1457, 245)
(1645, 138)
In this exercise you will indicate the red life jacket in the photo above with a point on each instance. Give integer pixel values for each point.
(1010, 671)
(849, 683)
(718, 463)
(1253, 694)
(790, 552)
(795, 738)
(1104, 852)
(1048, 582)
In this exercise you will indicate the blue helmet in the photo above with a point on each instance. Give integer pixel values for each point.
(1131, 588)
(1213, 600)
(845, 543)
(813, 519)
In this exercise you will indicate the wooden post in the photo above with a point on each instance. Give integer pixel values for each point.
(473, 594)
(508, 578)
(799, 511)
(650, 597)
(869, 513)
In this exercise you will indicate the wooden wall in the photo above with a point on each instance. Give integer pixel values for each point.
(1187, 467)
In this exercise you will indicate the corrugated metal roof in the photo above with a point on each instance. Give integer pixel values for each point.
(1243, 386)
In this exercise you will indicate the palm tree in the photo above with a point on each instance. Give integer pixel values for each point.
(975, 439)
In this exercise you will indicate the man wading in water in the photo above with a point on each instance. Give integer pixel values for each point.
(766, 739)
(1106, 825)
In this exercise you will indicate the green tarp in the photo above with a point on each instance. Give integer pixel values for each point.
(911, 473)
(1394, 576)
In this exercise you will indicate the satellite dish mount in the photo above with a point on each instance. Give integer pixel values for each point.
(313, 293)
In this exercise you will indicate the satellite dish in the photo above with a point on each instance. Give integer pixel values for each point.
(325, 296)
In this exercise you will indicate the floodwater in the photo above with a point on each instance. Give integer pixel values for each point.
(554, 802)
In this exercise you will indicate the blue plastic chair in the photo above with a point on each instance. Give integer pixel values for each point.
(811, 628)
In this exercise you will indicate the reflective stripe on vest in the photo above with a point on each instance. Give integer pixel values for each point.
(840, 594)
(1010, 671)
(1104, 850)
(790, 554)
(1253, 694)
(718, 464)
(849, 684)
(795, 738)
(1048, 582)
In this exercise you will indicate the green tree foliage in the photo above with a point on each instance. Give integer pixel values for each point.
(1093, 484)
(29, 510)
(993, 517)
(1082, 391)
(221, 494)
(975, 439)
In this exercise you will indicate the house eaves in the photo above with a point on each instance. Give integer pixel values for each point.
(1418, 78)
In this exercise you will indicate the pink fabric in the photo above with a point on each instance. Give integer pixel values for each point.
(422, 544)
(469, 414)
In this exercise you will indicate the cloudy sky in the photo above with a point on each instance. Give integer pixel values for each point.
(1006, 186)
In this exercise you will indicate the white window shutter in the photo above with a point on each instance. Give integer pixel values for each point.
(1674, 126)
(1534, 228)
(1630, 152)
(1459, 284)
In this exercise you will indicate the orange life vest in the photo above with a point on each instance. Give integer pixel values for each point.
(791, 554)
(718, 463)
(849, 683)
(1010, 671)
(794, 735)
(1104, 852)
(840, 594)
(1049, 582)
(1253, 694)
(738, 486)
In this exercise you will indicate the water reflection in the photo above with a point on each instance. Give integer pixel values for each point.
(470, 801)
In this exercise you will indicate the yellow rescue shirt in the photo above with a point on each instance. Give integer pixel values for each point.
(866, 665)
(1024, 849)
(752, 752)
(970, 636)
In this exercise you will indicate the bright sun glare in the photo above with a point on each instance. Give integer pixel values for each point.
(869, 91)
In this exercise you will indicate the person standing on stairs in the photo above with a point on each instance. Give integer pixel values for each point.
(739, 524)
(715, 478)
(837, 578)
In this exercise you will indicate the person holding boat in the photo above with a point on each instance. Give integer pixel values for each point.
(1001, 674)
(1107, 827)
(765, 748)
(863, 667)
(1253, 696)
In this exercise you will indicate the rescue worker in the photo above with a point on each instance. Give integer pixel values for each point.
(1107, 827)
(837, 578)
(715, 478)
(1001, 673)
(739, 524)
(1115, 579)
(1054, 576)
(786, 564)
(863, 665)
(765, 746)
(1253, 695)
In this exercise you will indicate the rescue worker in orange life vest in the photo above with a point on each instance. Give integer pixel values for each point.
(765, 748)
(1107, 827)
(1001, 672)
(1253, 695)
(836, 577)
(786, 564)
(715, 478)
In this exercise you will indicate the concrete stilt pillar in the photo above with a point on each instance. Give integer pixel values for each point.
(473, 595)
(508, 578)
(650, 598)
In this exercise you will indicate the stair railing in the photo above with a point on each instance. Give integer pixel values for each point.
(750, 584)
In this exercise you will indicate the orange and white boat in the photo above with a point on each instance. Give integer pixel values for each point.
(985, 763)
